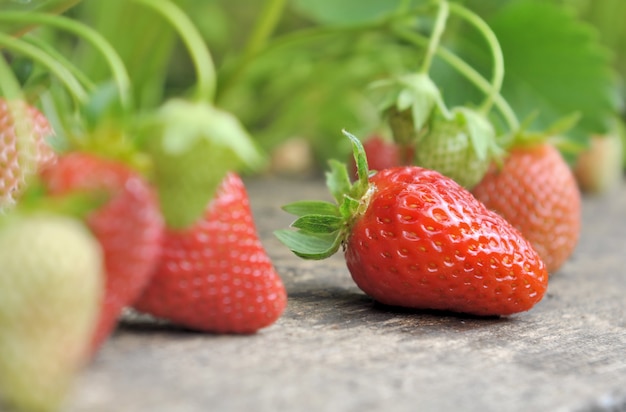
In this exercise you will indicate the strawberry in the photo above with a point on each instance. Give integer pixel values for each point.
(51, 285)
(215, 276)
(417, 239)
(598, 169)
(383, 154)
(129, 226)
(461, 147)
(20, 157)
(535, 190)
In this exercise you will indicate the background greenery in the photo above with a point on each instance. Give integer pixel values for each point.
(301, 68)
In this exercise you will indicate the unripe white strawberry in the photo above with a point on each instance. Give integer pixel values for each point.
(20, 157)
(51, 284)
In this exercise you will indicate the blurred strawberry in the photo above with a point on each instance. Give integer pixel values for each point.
(535, 190)
(128, 225)
(51, 286)
(21, 157)
(215, 276)
(599, 168)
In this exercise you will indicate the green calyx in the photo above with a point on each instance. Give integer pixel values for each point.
(192, 146)
(461, 147)
(408, 102)
(322, 227)
(554, 134)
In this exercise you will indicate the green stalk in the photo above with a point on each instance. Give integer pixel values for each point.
(468, 72)
(60, 71)
(200, 55)
(435, 37)
(494, 45)
(86, 33)
(47, 48)
(9, 85)
(264, 27)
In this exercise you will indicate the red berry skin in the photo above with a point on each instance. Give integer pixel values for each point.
(425, 242)
(536, 192)
(13, 175)
(129, 227)
(216, 276)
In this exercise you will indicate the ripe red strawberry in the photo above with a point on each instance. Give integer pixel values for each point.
(215, 276)
(416, 238)
(535, 190)
(383, 154)
(129, 226)
(20, 158)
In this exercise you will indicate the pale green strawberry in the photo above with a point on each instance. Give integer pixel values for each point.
(461, 147)
(51, 285)
(598, 169)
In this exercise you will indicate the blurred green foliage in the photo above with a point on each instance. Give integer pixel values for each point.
(301, 68)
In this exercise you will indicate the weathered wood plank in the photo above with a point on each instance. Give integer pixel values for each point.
(335, 349)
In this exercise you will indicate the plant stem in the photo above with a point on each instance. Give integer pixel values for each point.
(9, 86)
(265, 25)
(468, 72)
(496, 51)
(435, 37)
(60, 71)
(53, 53)
(86, 33)
(200, 55)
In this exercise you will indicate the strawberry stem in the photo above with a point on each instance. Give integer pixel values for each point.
(200, 55)
(264, 27)
(53, 53)
(467, 71)
(435, 37)
(9, 85)
(57, 68)
(496, 51)
(86, 33)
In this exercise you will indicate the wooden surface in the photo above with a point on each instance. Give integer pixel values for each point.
(336, 350)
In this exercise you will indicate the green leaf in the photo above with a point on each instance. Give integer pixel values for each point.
(479, 130)
(318, 223)
(338, 180)
(319, 235)
(349, 206)
(310, 245)
(311, 207)
(554, 65)
(362, 169)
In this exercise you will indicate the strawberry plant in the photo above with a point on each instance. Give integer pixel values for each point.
(141, 145)
(132, 175)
